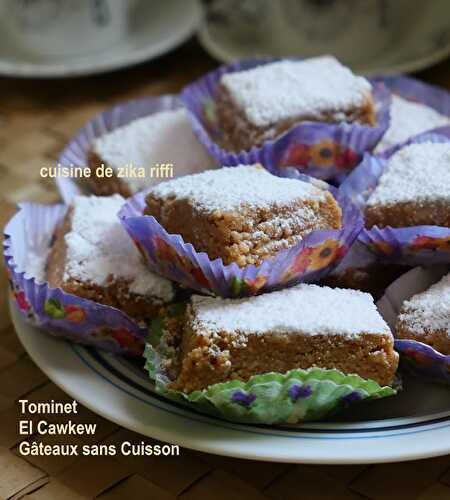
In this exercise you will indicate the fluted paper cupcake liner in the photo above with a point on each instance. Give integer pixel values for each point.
(75, 152)
(415, 357)
(416, 245)
(358, 257)
(322, 150)
(29, 233)
(272, 398)
(310, 259)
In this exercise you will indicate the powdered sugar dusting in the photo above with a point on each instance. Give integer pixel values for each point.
(418, 172)
(282, 90)
(429, 310)
(164, 137)
(408, 119)
(303, 309)
(99, 249)
(231, 188)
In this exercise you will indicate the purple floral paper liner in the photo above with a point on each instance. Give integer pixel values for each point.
(309, 260)
(122, 114)
(416, 245)
(358, 257)
(272, 398)
(417, 91)
(75, 152)
(416, 358)
(62, 314)
(321, 150)
(423, 360)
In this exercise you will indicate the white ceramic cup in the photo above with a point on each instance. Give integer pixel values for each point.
(311, 27)
(65, 27)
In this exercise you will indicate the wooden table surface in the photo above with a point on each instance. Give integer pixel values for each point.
(36, 119)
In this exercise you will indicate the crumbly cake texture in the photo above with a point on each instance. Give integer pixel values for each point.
(298, 327)
(164, 137)
(426, 317)
(408, 119)
(93, 257)
(414, 188)
(241, 214)
(260, 103)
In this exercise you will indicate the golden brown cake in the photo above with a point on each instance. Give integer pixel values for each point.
(300, 327)
(263, 102)
(141, 147)
(414, 188)
(241, 214)
(93, 257)
(408, 119)
(426, 317)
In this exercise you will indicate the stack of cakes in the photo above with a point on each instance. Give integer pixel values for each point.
(238, 246)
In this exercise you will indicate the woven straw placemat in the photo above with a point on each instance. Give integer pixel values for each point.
(36, 120)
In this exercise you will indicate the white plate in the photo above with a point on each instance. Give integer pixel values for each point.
(371, 37)
(415, 424)
(155, 28)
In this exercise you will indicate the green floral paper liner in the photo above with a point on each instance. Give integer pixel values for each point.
(273, 398)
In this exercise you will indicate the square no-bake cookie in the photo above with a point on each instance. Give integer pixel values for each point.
(300, 327)
(242, 214)
(426, 317)
(163, 138)
(414, 188)
(93, 257)
(261, 103)
(408, 119)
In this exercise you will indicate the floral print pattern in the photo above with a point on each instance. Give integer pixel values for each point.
(247, 286)
(116, 339)
(416, 245)
(308, 260)
(168, 254)
(54, 310)
(323, 150)
(22, 301)
(324, 154)
(299, 155)
(297, 391)
(325, 254)
(381, 247)
(299, 266)
(316, 258)
(57, 310)
(76, 323)
(243, 398)
(268, 398)
(409, 248)
(429, 243)
(351, 397)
